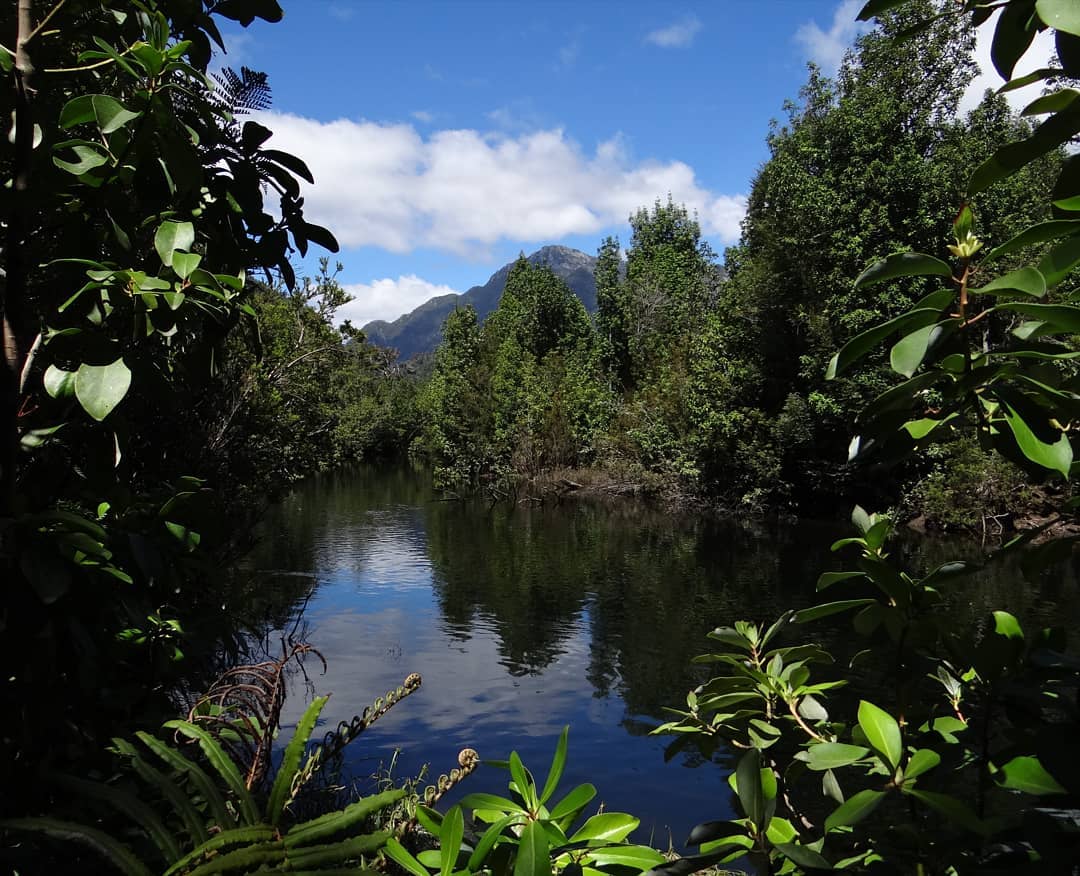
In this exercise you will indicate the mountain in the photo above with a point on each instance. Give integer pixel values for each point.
(421, 330)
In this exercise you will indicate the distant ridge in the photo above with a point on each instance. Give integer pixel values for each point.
(421, 330)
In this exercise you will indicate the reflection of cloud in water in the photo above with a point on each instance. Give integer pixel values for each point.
(385, 548)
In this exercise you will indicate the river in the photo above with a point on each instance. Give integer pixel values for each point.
(524, 619)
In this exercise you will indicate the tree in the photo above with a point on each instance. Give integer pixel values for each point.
(137, 207)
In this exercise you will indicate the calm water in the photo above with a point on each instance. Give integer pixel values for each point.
(522, 620)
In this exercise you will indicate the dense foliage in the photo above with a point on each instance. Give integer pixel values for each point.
(711, 379)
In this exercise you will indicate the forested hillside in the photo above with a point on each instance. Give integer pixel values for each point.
(705, 376)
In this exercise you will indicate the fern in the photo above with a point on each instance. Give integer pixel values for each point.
(206, 811)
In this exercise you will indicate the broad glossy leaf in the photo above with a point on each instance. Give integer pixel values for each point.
(1056, 457)
(525, 786)
(172, 236)
(819, 611)
(903, 264)
(863, 343)
(1057, 317)
(637, 858)
(831, 755)
(1052, 133)
(1051, 103)
(1029, 281)
(953, 809)
(1012, 38)
(710, 831)
(490, 802)
(609, 827)
(100, 388)
(453, 830)
(1060, 15)
(908, 353)
(1057, 264)
(876, 7)
(88, 158)
(533, 852)
(59, 383)
(854, 809)
(1035, 234)
(920, 762)
(748, 787)
(572, 803)
(882, 732)
(830, 578)
(804, 856)
(558, 763)
(397, 853)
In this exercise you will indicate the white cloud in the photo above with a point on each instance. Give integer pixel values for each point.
(826, 48)
(386, 185)
(423, 116)
(388, 298)
(676, 35)
(1038, 55)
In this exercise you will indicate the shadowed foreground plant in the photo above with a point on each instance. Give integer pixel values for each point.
(207, 801)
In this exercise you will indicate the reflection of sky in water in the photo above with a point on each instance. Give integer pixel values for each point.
(375, 618)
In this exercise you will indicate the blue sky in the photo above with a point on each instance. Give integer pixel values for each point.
(445, 137)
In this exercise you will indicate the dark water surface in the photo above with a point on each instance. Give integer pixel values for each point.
(523, 619)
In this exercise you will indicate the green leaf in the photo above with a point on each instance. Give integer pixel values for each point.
(920, 762)
(523, 781)
(636, 858)
(1060, 15)
(819, 611)
(491, 802)
(397, 853)
(1057, 264)
(453, 830)
(184, 263)
(334, 822)
(221, 762)
(1028, 775)
(804, 856)
(59, 383)
(558, 763)
(1051, 103)
(953, 809)
(854, 809)
(610, 827)
(882, 732)
(903, 264)
(240, 836)
(532, 856)
(1012, 37)
(201, 781)
(119, 855)
(100, 388)
(487, 842)
(830, 578)
(831, 755)
(1056, 457)
(1052, 133)
(572, 803)
(111, 115)
(282, 790)
(172, 236)
(748, 787)
(863, 343)
(175, 795)
(314, 858)
(908, 353)
(1029, 281)
(877, 7)
(89, 157)
(1033, 235)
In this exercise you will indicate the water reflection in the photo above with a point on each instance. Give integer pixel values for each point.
(522, 620)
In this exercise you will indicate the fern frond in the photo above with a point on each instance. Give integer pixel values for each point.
(199, 779)
(246, 93)
(224, 765)
(175, 795)
(116, 852)
(127, 804)
(326, 826)
(284, 788)
(337, 853)
(246, 836)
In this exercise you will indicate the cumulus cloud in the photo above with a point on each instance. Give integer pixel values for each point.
(388, 298)
(1038, 55)
(826, 47)
(676, 35)
(388, 186)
